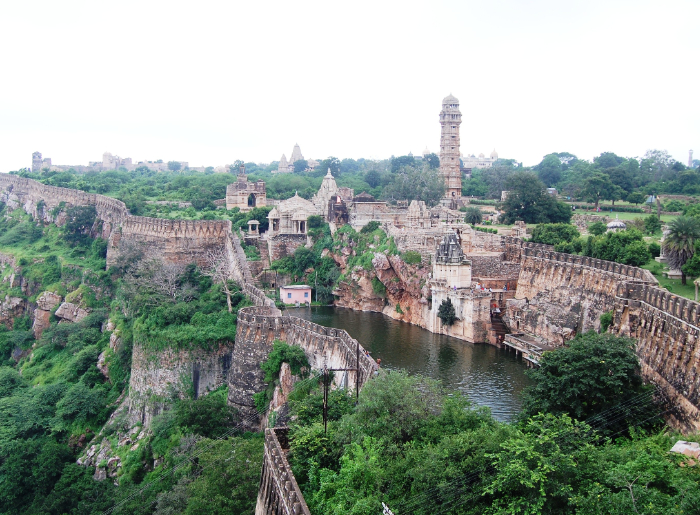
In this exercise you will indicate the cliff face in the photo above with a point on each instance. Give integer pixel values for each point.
(158, 376)
(404, 285)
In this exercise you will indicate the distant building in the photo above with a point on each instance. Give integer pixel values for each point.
(480, 161)
(616, 225)
(504, 195)
(288, 166)
(690, 158)
(244, 194)
(552, 191)
(109, 162)
(295, 294)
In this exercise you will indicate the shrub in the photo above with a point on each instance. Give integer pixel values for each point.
(411, 257)
(606, 320)
(597, 228)
(473, 215)
(446, 312)
(378, 287)
(370, 227)
(654, 249)
(314, 221)
(551, 234)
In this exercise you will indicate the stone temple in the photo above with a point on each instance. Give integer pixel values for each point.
(450, 120)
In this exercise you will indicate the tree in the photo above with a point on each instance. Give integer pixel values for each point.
(528, 201)
(679, 243)
(218, 267)
(79, 222)
(397, 163)
(597, 228)
(473, 215)
(413, 183)
(174, 166)
(652, 224)
(373, 178)
(446, 312)
(692, 266)
(594, 373)
(596, 187)
(552, 234)
(636, 198)
(549, 170)
(433, 160)
(301, 165)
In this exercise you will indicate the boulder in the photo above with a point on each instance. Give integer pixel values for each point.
(42, 315)
(71, 312)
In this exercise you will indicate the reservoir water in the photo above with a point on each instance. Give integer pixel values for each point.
(487, 375)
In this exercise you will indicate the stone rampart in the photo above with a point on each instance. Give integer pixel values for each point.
(279, 492)
(559, 295)
(259, 327)
(667, 331)
(177, 241)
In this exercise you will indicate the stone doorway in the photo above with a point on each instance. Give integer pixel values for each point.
(251, 200)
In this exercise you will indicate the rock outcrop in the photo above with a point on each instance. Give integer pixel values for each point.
(69, 312)
(42, 314)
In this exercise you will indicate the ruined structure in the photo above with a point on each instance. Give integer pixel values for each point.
(450, 120)
(288, 226)
(244, 194)
(108, 162)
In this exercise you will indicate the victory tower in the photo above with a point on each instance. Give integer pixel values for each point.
(450, 120)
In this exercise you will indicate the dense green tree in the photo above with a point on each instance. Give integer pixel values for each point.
(593, 373)
(475, 186)
(626, 247)
(636, 198)
(412, 183)
(174, 166)
(549, 170)
(79, 222)
(397, 163)
(652, 224)
(597, 187)
(373, 178)
(473, 215)
(528, 201)
(679, 243)
(433, 160)
(301, 165)
(597, 228)
(552, 234)
(446, 312)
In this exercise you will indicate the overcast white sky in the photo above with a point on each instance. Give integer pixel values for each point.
(210, 82)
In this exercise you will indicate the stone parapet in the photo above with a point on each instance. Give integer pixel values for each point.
(279, 492)
(668, 344)
(259, 327)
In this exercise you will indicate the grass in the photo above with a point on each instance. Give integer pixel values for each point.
(623, 216)
(672, 285)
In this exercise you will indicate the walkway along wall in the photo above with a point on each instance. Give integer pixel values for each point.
(279, 492)
(668, 334)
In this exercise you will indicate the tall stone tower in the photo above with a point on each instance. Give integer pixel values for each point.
(690, 159)
(36, 162)
(450, 120)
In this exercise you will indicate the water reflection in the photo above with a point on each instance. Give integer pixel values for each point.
(489, 376)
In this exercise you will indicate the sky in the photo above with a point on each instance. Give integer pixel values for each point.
(211, 82)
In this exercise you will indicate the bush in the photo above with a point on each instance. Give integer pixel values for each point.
(473, 215)
(597, 228)
(552, 234)
(378, 287)
(654, 249)
(370, 227)
(314, 221)
(446, 312)
(285, 353)
(411, 257)
(606, 320)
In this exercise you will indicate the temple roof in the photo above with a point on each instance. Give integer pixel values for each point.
(450, 99)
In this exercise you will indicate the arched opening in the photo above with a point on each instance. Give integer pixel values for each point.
(251, 200)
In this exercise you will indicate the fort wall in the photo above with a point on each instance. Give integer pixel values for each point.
(279, 493)
(667, 330)
(559, 295)
(259, 327)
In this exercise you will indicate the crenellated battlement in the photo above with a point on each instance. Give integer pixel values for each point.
(667, 331)
(259, 327)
